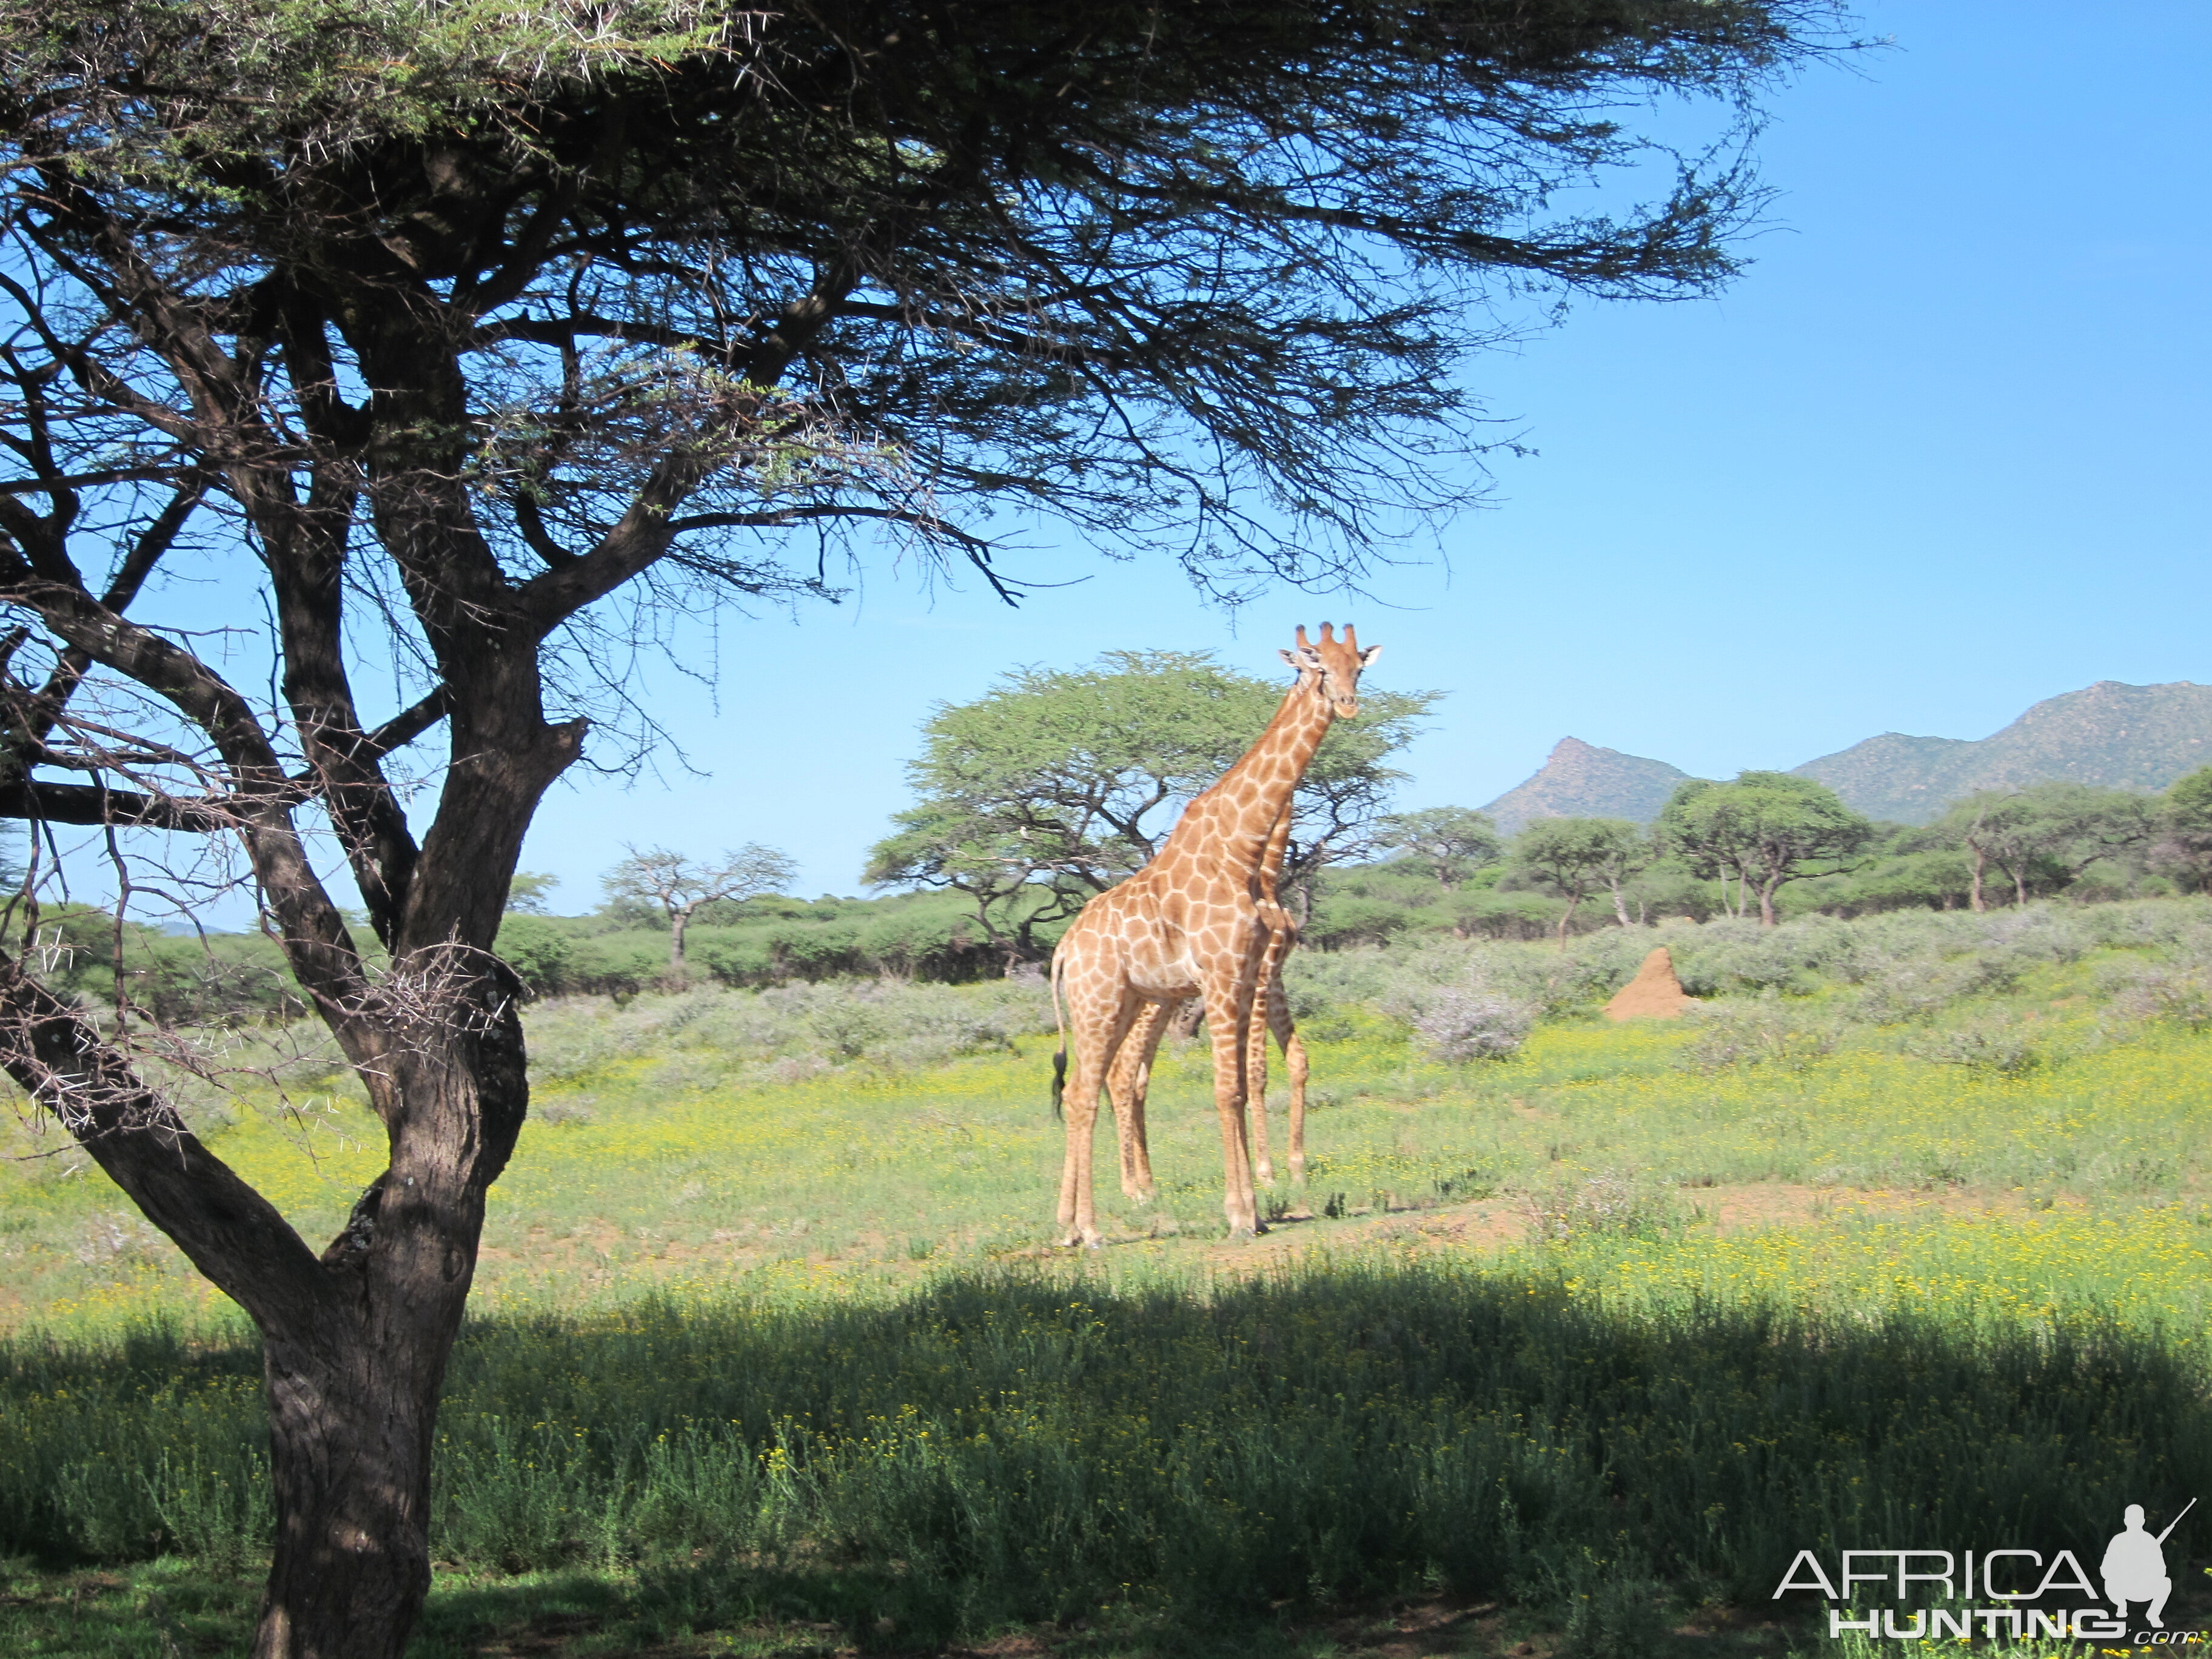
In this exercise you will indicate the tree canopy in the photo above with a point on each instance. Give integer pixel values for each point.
(1573, 858)
(679, 888)
(1764, 828)
(2046, 833)
(471, 341)
(1450, 842)
(1060, 782)
(2185, 840)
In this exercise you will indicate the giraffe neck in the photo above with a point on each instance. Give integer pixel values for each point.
(1235, 820)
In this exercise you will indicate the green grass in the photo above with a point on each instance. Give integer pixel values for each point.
(1573, 1349)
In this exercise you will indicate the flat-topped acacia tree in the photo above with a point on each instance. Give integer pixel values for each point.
(462, 340)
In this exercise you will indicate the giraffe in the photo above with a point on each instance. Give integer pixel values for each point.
(1201, 919)
(1130, 1080)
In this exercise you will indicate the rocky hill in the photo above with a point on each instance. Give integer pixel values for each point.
(1581, 780)
(2124, 736)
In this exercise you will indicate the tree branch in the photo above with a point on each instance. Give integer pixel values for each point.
(230, 1232)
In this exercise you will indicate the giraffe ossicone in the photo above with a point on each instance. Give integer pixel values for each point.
(1202, 919)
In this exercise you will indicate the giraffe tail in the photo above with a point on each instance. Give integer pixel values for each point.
(1060, 1056)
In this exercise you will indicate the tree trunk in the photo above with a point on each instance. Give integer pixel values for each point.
(1573, 902)
(1981, 862)
(353, 1386)
(1766, 902)
(678, 921)
(354, 1341)
(1620, 905)
(351, 1421)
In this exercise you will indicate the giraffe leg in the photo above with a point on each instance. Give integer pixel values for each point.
(1126, 1087)
(1229, 998)
(1264, 999)
(1294, 1061)
(1097, 1024)
(1255, 1088)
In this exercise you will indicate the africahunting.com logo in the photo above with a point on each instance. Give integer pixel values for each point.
(2132, 1573)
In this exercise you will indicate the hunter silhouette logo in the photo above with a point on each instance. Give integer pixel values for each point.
(2009, 1581)
(2135, 1566)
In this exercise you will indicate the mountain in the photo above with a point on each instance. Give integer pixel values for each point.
(2124, 736)
(1581, 780)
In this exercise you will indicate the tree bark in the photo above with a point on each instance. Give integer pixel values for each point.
(355, 1343)
(353, 1384)
(1979, 901)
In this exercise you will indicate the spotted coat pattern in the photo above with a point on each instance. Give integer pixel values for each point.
(1201, 919)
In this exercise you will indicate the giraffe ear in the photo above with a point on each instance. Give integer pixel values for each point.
(1287, 656)
(1370, 654)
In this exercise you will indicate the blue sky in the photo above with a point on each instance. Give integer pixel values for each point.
(1938, 454)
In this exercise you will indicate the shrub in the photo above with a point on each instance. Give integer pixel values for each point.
(1469, 1025)
(708, 1034)
(1985, 1045)
(1608, 1201)
(1766, 1032)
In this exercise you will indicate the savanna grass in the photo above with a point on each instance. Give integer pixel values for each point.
(995, 1449)
(810, 1362)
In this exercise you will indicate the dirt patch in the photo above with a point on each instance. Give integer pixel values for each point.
(598, 1255)
(1495, 1223)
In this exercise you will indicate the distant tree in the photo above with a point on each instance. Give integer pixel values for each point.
(2184, 845)
(680, 888)
(1574, 858)
(1451, 842)
(2047, 834)
(1059, 782)
(1632, 856)
(525, 894)
(1764, 828)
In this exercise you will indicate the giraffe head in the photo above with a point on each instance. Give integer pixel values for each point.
(1332, 666)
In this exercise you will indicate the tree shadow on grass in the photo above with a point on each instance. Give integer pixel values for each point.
(1038, 1453)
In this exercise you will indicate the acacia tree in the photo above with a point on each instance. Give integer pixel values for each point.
(1574, 858)
(1450, 842)
(1764, 827)
(2184, 847)
(469, 337)
(680, 888)
(2046, 833)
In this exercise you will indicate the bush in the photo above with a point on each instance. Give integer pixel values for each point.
(1766, 1032)
(1983, 1045)
(707, 1036)
(1468, 1024)
(1609, 1202)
